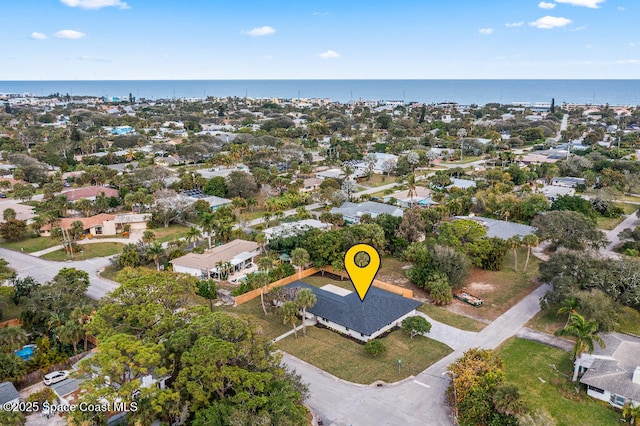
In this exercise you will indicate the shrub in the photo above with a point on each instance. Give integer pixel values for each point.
(375, 347)
(46, 394)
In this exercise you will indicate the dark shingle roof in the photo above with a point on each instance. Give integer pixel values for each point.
(8, 392)
(65, 387)
(380, 308)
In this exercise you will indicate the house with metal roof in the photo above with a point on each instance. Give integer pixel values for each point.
(291, 228)
(343, 311)
(613, 372)
(239, 253)
(352, 212)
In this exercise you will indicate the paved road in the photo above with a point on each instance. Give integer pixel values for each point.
(612, 235)
(44, 270)
(417, 400)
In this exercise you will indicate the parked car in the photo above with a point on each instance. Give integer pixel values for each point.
(55, 377)
(3, 195)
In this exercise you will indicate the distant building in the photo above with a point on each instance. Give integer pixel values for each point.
(8, 394)
(500, 228)
(100, 224)
(90, 193)
(352, 212)
(461, 184)
(214, 202)
(222, 171)
(567, 182)
(291, 228)
(240, 253)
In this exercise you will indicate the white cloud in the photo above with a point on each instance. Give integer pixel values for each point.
(630, 61)
(486, 31)
(38, 36)
(71, 34)
(545, 5)
(95, 4)
(580, 28)
(260, 31)
(593, 4)
(329, 54)
(549, 22)
(514, 24)
(632, 45)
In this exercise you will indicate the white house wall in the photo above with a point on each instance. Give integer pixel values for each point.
(187, 270)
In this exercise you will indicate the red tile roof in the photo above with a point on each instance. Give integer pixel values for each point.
(89, 192)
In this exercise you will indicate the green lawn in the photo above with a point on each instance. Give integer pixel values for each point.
(527, 362)
(174, 231)
(30, 245)
(547, 321)
(377, 180)
(347, 359)
(608, 223)
(89, 251)
(446, 317)
(270, 326)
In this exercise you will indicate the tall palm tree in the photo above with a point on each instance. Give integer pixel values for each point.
(585, 333)
(305, 299)
(289, 312)
(261, 239)
(207, 223)
(300, 258)
(155, 251)
(514, 243)
(12, 338)
(569, 307)
(529, 240)
(411, 184)
(193, 235)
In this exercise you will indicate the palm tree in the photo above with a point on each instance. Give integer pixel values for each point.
(506, 400)
(193, 235)
(569, 307)
(12, 338)
(585, 333)
(631, 410)
(514, 243)
(289, 312)
(265, 263)
(261, 239)
(302, 213)
(266, 216)
(300, 258)
(305, 299)
(411, 183)
(207, 223)
(84, 205)
(154, 251)
(148, 236)
(529, 240)
(55, 321)
(37, 222)
(70, 333)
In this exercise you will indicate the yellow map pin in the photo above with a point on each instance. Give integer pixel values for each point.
(362, 277)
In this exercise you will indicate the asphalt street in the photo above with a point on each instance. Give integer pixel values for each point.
(44, 270)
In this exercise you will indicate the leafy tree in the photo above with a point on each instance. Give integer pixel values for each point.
(22, 288)
(8, 214)
(12, 338)
(216, 186)
(240, 184)
(411, 227)
(585, 333)
(16, 418)
(207, 289)
(568, 229)
(305, 299)
(13, 229)
(416, 325)
(453, 264)
(289, 311)
(459, 233)
(11, 367)
(574, 203)
(375, 347)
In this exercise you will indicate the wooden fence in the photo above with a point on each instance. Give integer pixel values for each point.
(37, 375)
(243, 298)
(11, 323)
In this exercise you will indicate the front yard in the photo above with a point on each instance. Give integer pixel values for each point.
(170, 233)
(30, 245)
(527, 362)
(346, 359)
(88, 251)
(450, 318)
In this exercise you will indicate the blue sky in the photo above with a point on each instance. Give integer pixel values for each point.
(309, 39)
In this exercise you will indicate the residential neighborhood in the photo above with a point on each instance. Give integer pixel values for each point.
(148, 243)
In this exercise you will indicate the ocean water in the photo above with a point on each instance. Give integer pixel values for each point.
(613, 92)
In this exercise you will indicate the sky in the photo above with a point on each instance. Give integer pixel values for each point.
(319, 39)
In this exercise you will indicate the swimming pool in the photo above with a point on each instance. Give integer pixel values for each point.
(26, 353)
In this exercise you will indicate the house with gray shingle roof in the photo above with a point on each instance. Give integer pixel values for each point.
(8, 393)
(613, 372)
(352, 212)
(500, 228)
(343, 311)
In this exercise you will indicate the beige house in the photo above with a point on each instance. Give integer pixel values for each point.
(239, 253)
(102, 224)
